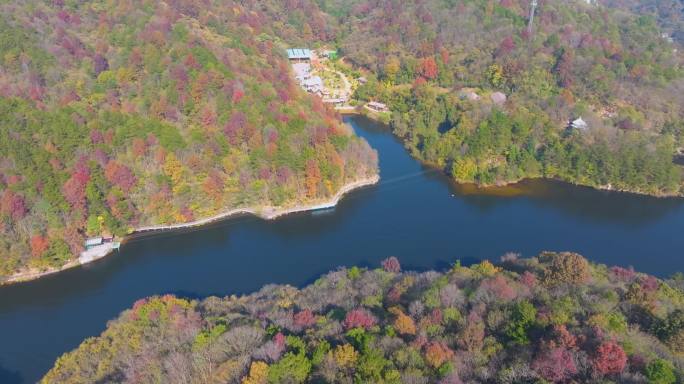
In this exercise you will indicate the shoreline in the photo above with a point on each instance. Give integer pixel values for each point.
(503, 184)
(262, 212)
(600, 188)
(377, 117)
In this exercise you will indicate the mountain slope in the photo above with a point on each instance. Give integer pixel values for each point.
(139, 112)
(444, 68)
(554, 318)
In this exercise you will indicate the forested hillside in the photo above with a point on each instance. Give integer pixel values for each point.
(477, 92)
(119, 114)
(551, 319)
(669, 13)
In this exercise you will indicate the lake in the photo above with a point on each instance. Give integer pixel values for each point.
(414, 213)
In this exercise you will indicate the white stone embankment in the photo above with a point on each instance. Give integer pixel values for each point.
(266, 213)
(96, 253)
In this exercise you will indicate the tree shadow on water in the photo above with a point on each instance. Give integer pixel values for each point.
(10, 377)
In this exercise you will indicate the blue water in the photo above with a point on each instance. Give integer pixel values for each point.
(414, 213)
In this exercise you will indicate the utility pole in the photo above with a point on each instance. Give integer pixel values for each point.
(533, 8)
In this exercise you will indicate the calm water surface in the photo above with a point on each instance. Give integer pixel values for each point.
(414, 213)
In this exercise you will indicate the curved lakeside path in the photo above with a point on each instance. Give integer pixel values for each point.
(264, 212)
(414, 213)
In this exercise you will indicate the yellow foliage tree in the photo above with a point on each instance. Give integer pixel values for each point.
(495, 75)
(486, 268)
(464, 169)
(345, 355)
(258, 373)
(392, 67)
(173, 168)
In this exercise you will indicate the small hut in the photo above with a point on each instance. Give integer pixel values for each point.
(93, 242)
(299, 55)
(579, 124)
(377, 107)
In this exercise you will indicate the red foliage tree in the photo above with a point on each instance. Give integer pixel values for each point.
(238, 93)
(120, 175)
(39, 244)
(564, 337)
(279, 339)
(419, 82)
(649, 284)
(623, 274)
(304, 319)
(499, 287)
(428, 68)
(610, 358)
(391, 264)
(208, 115)
(234, 127)
(74, 188)
(563, 69)
(191, 62)
(444, 54)
(506, 46)
(555, 365)
(96, 136)
(359, 318)
(12, 205)
(529, 279)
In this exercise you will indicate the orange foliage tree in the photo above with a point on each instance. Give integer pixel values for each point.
(403, 323)
(436, 354)
(313, 178)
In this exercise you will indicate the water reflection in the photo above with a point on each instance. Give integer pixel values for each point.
(578, 201)
(8, 376)
(581, 202)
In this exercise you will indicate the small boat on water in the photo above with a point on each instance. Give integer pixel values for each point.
(323, 211)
